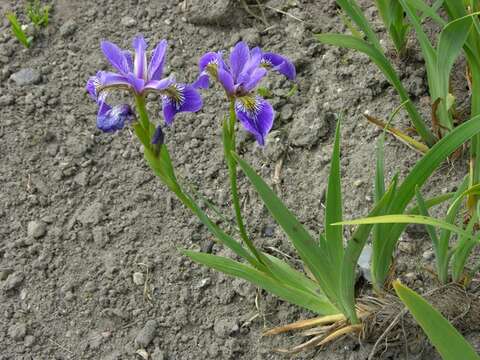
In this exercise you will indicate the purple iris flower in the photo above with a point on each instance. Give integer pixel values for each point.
(240, 77)
(135, 75)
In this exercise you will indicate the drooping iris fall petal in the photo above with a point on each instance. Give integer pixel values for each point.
(256, 115)
(180, 98)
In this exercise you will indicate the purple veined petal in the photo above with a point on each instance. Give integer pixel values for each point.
(108, 78)
(202, 82)
(114, 118)
(181, 98)
(159, 85)
(280, 64)
(256, 115)
(238, 58)
(255, 77)
(157, 62)
(93, 83)
(116, 56)
(137, 84)
(129, 58)
(226, 80)
(207, 59)
(140, 59)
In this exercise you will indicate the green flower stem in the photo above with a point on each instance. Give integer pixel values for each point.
(229, 147)
(161, 164)
(143, 114)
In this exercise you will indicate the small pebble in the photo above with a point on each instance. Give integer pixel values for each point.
(36, 229)
(13, 281)
(128, 21)
(146, 335)
(18, 331)
(138, 278)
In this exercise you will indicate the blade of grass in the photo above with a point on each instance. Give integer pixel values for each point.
(408, 219)
(333, 207)
(417, 177)
(18, 31)
(317, 304)
(309, 251)
(446, 339)
(382, 62)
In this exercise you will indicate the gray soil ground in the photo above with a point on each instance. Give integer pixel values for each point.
(89, 266)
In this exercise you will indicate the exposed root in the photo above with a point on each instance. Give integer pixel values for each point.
(386, 322)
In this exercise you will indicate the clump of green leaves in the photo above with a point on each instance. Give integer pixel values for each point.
(394, 20)
(38, 13)
(18, 30)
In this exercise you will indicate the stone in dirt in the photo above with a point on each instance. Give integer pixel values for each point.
(309, 126)
(216, 12)
(18, 331)
(26, 77)
(128, 21)
(225, 327)
(68, 28)
(92, 215)
(36, 229)
(13, 281)
(146, 335)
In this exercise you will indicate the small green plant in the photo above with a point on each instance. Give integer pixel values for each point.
(37, 13)
(18, 30)
(447, 340)
(394, 20)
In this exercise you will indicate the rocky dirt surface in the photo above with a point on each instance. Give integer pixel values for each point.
(89, 261)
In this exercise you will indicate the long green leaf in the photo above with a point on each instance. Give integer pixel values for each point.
(352, 252)
(333, 208)
(417, 177)
(407, 219)
(381, 61)
(352, 9)
(297, 296)
(18, 31)
(451, 41)
(309, 251)
(447, 340)
(462, 250)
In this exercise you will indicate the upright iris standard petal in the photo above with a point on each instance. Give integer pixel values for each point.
(159, 85)
(256, 115)
(180, 98)
(226, 80)
(280, 64)
(116, 56)
(238, 58)
(207, 59)
(110, 119)
(140, 60)
(254, 79)
(157, 62)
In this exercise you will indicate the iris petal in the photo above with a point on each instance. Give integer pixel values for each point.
(255, 77)
(111, 119)
(202, 82)
(181, 98)
(238, 58)
(256, 115)
(226, 80)
(140, 62)
(206, 59)
(116, 56)
(159, 85)
(280, 64)
(157, 62)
